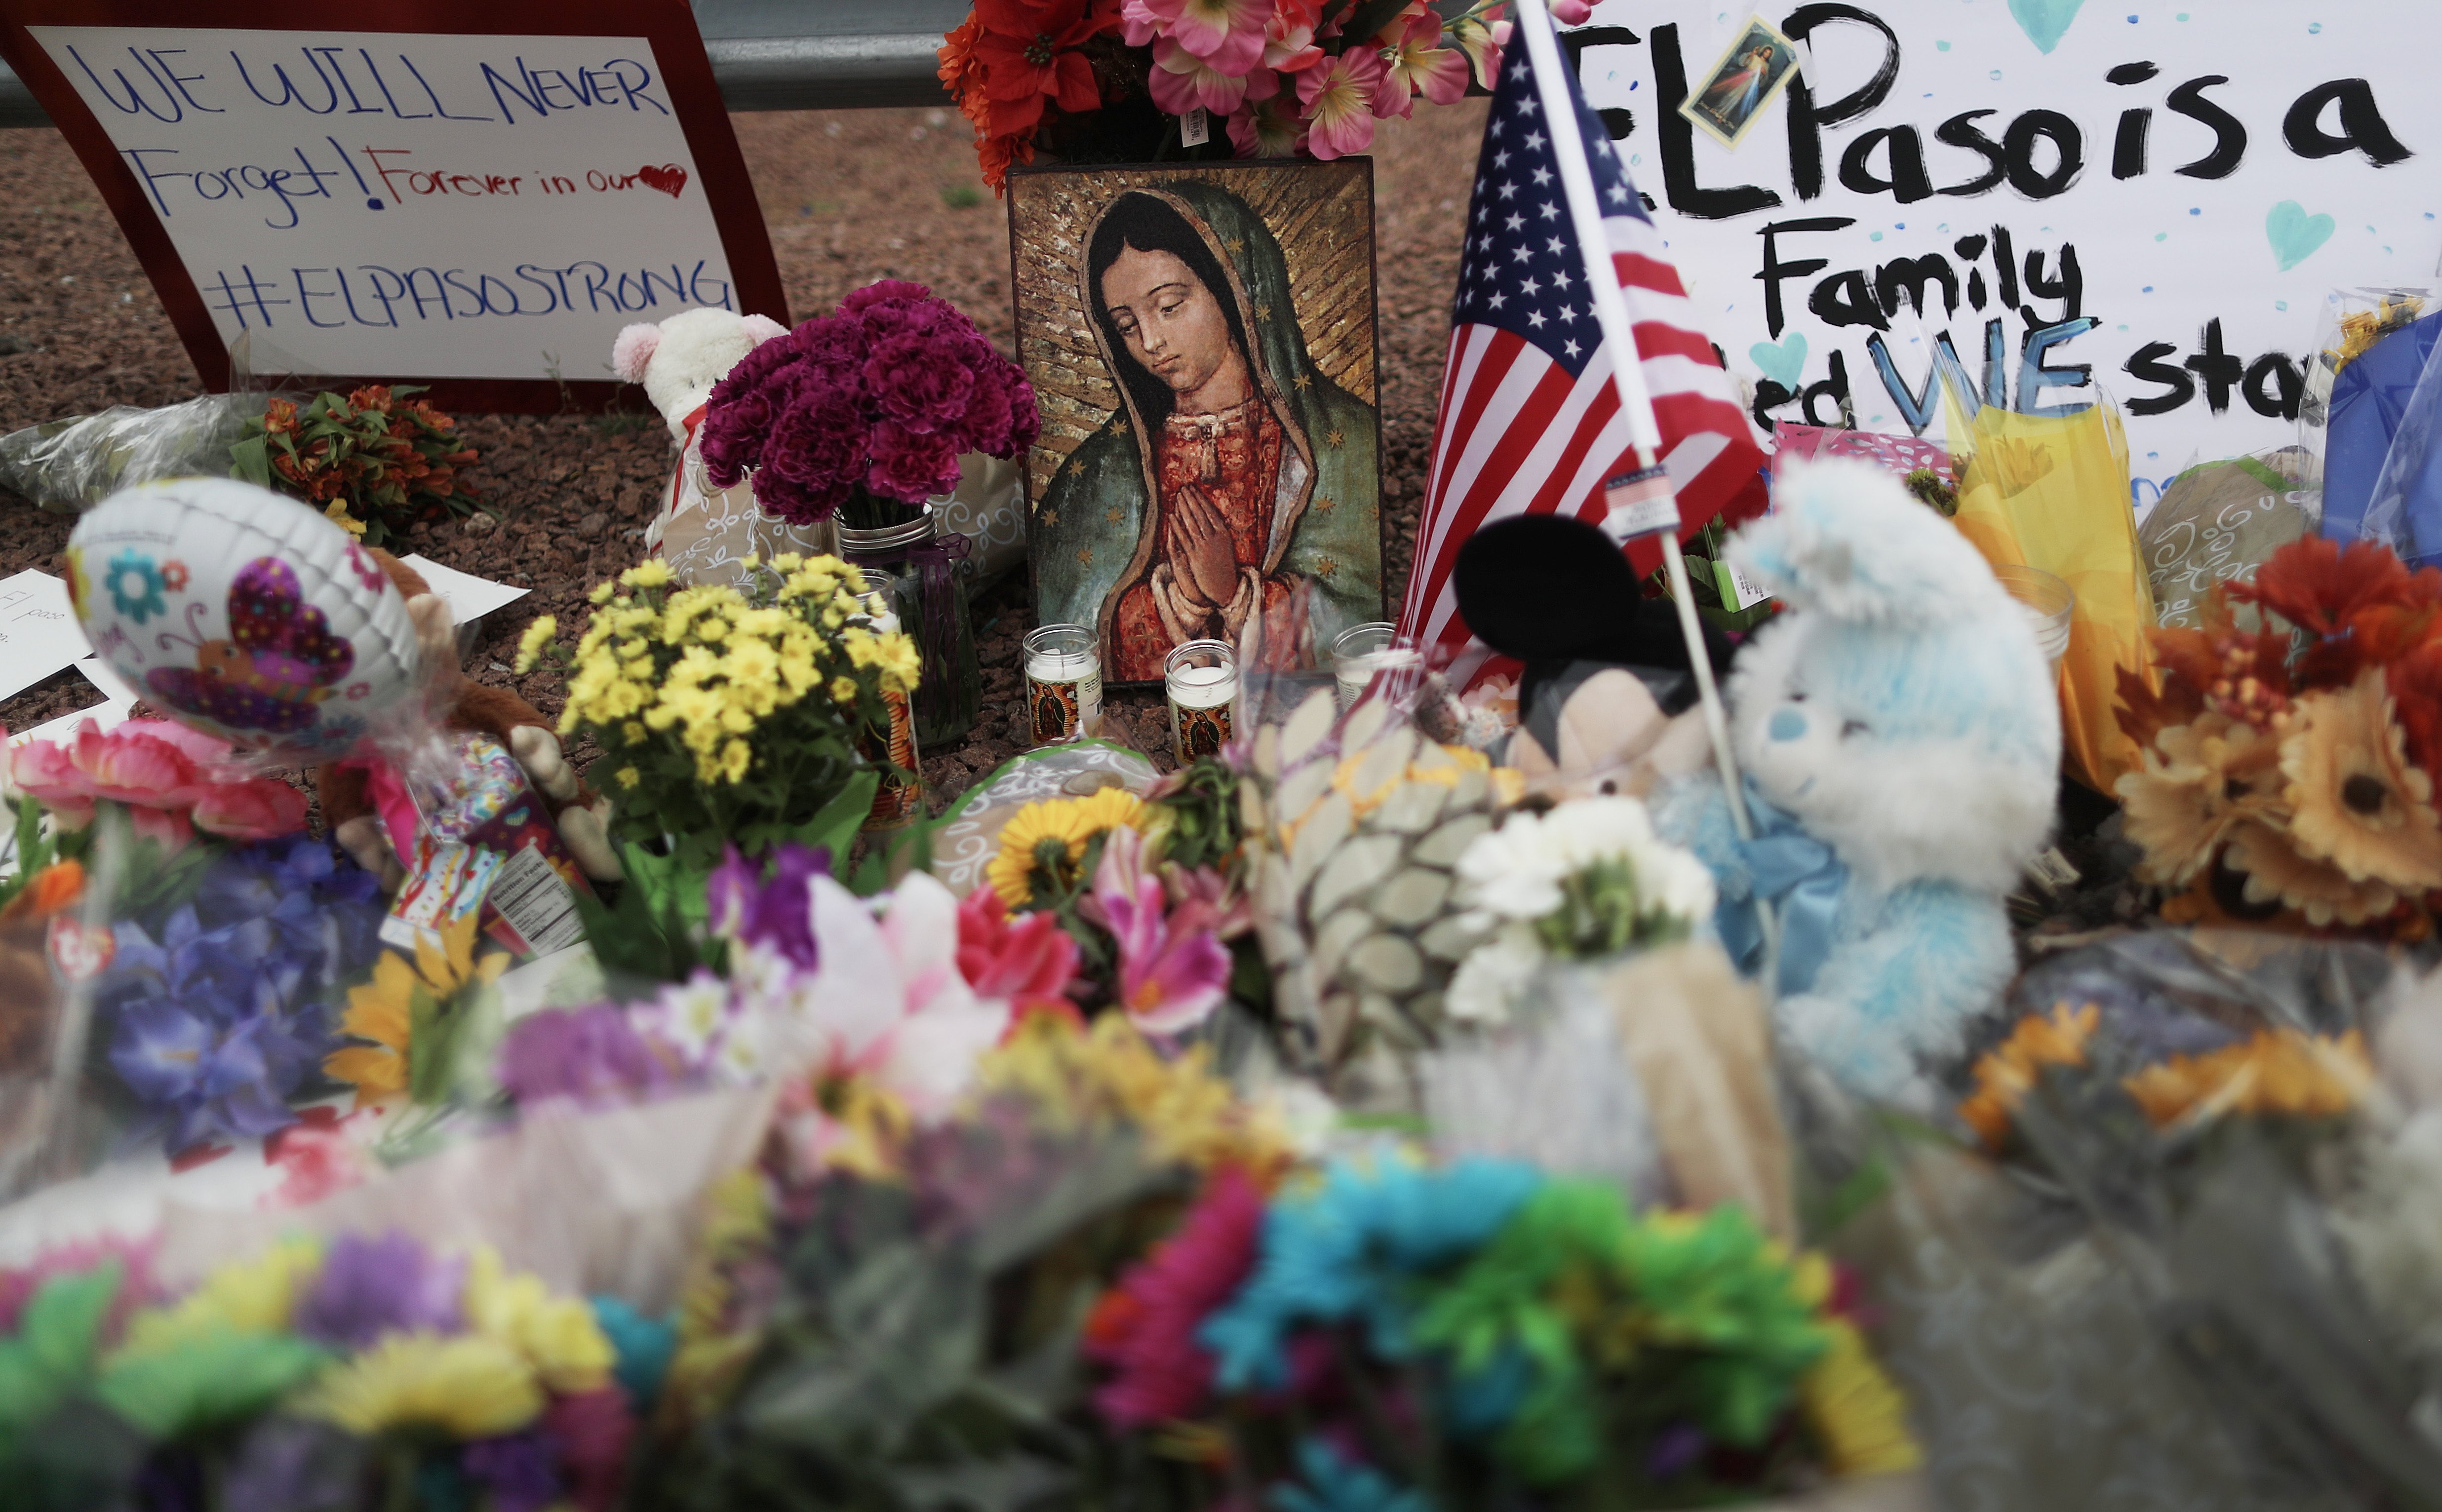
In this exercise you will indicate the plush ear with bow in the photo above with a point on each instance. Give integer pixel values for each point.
(1604, 668)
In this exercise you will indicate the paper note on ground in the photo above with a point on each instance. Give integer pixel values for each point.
(469, 597)
(39, 633)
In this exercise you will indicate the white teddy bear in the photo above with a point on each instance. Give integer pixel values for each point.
(702, 532)
(1899, 736)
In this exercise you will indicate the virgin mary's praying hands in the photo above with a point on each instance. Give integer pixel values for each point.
(1200, 549)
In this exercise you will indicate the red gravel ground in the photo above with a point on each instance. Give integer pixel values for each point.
(850, 196)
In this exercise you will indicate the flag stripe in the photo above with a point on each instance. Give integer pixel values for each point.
(1530, 418)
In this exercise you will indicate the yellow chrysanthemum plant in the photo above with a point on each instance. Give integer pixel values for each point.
(742, 716)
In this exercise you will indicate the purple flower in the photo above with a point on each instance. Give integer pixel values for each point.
(883, 395)
(589, 1056)
(777, 912)
(291, 1464)
(1675, 1451)
(518, 1470)
(883, 291)
(212, 1079)
(922, 382)
(372, 1286)
(909, 468)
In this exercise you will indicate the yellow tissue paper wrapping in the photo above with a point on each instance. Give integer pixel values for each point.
(2052, 492)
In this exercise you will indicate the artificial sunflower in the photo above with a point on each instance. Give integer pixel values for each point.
(2277, 871)
(384, 1009)
(2354, 798)
(2276, 1072)
(1043, 846)
(2196, 781)
(1857, 1412)
(2007, 1072)
(467, 1386)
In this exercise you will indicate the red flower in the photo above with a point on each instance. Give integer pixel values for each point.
(1029, 961)
(2317, 585)
(2415, 685)
(1029, 51)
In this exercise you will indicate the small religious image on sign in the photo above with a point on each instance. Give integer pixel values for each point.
(1201, 341)
(1736, 90)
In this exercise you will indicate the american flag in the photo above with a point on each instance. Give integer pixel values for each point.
(1530, 420)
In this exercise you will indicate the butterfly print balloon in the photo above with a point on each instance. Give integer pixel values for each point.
(279, 662)
(276, 632)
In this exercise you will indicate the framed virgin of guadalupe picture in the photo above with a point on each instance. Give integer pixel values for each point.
(1201, 343)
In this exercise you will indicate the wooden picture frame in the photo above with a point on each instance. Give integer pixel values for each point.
(685, 73)
(1279, 458)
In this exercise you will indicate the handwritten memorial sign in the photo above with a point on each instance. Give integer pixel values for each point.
(480, 203)
(2040, 204)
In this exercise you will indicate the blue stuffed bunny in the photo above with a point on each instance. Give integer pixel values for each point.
(1899, 736)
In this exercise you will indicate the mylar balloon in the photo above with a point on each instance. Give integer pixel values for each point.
(244, 613)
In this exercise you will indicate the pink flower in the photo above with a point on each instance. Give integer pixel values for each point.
(255, 808)
(1172, 969)
(1338, 100)
(1288, 37)
(1180, 81)
(1417, 64)
(1028, 962)
(164, 774)
(1228, 34)
(1146, 1325)
(1138, 25)
(1573, 13)
(1268, 128)
(1482, 38)
(891, 999)
(591, 1431)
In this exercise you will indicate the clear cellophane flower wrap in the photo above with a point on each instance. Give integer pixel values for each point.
(1654, 1070)
(2185, 1260)
(1356, 823)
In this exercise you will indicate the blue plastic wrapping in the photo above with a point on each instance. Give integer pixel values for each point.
(2382, 466)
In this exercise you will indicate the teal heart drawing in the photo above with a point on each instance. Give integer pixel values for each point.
(2295, 235)
(1783, 364)
(2045, 21)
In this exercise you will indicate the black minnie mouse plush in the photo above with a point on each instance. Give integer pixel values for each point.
(1606, 673)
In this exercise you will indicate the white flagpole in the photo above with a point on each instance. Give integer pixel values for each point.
(1628, 373)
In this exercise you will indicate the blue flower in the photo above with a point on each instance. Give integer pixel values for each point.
(645, 1347)
(210, 1080)
(1337, 1484)
(221, 1009)
(1346, 1248)
(135, 585)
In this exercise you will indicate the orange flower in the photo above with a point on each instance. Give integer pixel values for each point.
(2007, 1072)
(54, 887)
(2278, 1073)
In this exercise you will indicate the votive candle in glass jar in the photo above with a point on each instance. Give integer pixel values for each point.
(1360, 652)
(1202, 680)
(1063, 684)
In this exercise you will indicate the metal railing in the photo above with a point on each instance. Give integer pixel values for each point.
(769, 55)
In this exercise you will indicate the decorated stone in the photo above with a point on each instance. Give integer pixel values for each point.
(242, 613)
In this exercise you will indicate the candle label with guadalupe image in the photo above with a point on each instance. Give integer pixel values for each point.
(1064, 711)
(901, 798)
(1198, 732)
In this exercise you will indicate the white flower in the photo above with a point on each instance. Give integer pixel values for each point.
(1489, 983)
(687, 1020)
(1514, 872)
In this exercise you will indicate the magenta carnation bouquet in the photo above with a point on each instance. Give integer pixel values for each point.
(881, 395)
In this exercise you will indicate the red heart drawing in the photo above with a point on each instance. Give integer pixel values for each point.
(669, 178)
